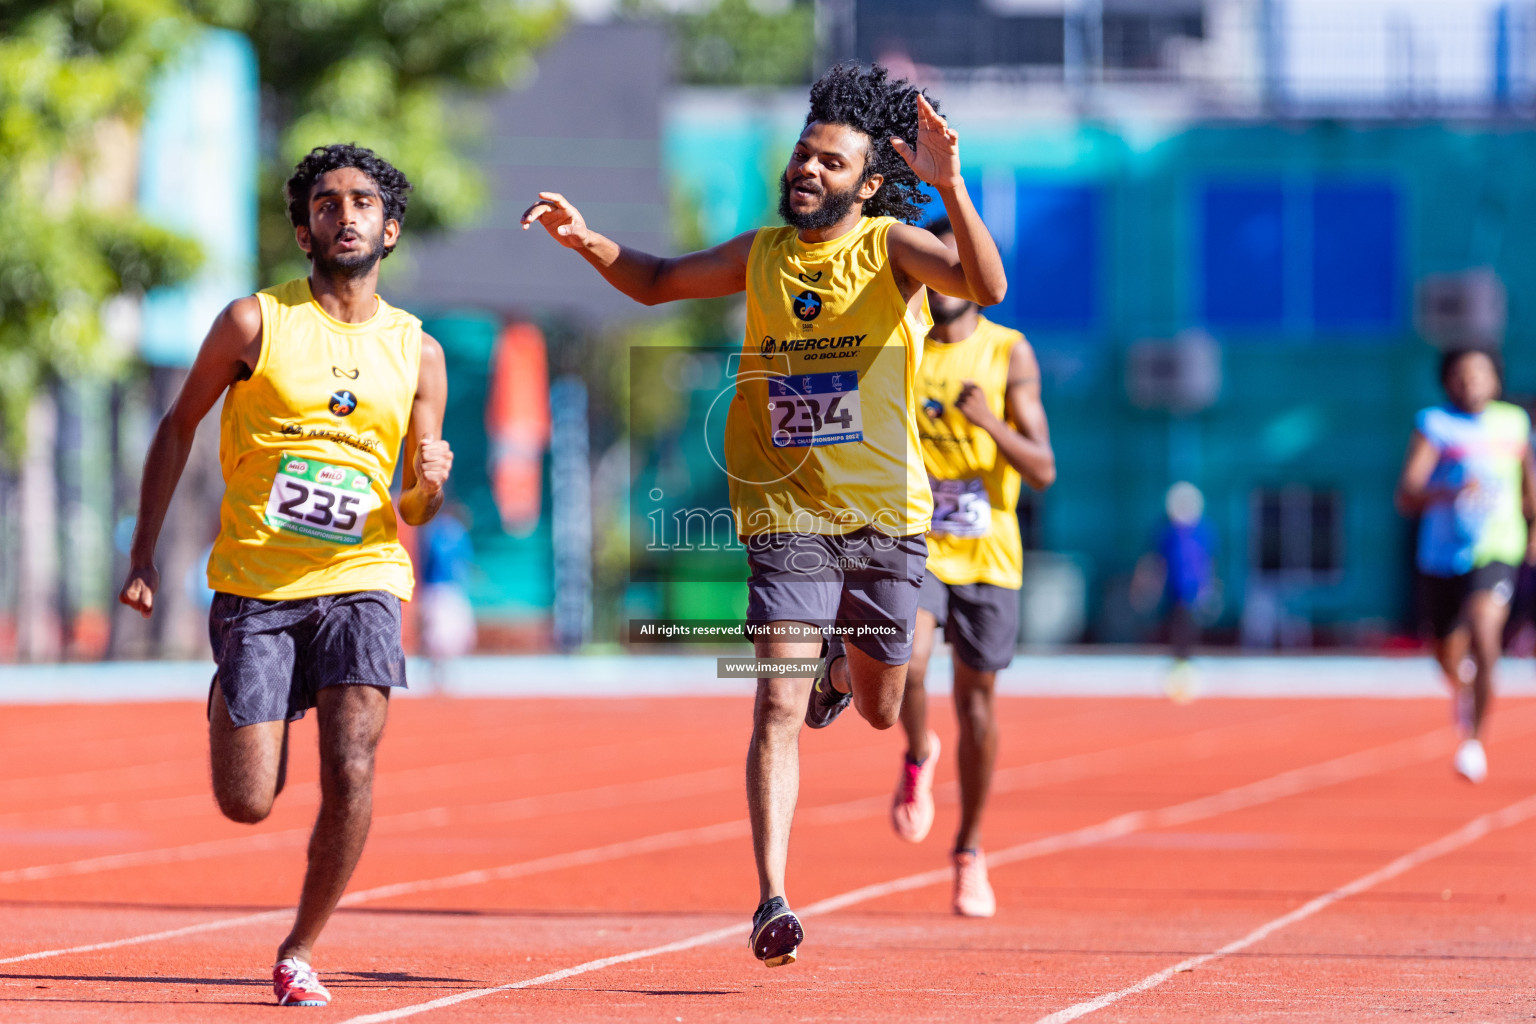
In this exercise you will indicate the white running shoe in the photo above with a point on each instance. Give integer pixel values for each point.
(295, 983)
(1182, 683)
(1471, 762)
(973, 892)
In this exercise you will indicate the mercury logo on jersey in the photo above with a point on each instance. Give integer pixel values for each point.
(814, 348)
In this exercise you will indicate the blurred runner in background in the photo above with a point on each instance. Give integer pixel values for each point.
(1469, 478)
(984, 432)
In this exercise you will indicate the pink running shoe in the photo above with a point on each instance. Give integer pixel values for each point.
(296, 984)
(973, 893)
(912, 807)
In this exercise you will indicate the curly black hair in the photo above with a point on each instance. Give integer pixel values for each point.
(394, 188)
(866, 100)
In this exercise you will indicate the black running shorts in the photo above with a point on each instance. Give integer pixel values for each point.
(274, 656)
(980, 621)
(864, 583)
(1443, 599)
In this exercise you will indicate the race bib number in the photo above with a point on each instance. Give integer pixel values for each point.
(961, 508)
(815, 409)
(319, 500)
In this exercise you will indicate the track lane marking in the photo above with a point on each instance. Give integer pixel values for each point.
(1469, 833)
(597, 798)
(1071, 768)
(170, 933)
(1288, 783)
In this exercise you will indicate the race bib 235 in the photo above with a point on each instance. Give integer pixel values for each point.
(319, 500)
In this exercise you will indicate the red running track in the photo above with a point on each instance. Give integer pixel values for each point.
(589, 860)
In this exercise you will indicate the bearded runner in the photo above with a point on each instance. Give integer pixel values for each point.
(826, 475)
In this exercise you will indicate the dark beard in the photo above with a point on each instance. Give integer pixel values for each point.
(352, 265)
(945, 316)
(834, 207)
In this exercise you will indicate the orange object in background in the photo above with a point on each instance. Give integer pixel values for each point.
(517, 425)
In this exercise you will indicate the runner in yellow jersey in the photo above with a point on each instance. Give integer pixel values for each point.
(826, 476)
(984, 433)
(322, 381)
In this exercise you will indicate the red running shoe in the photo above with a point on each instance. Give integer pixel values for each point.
(912, 807)
(296, 984)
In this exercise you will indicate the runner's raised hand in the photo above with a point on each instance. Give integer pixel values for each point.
(936, 157)
(562, 220)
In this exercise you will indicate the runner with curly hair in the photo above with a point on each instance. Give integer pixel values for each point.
(827, 481)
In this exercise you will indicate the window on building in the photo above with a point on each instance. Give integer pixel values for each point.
(1243, 240)
(1300, 256)
(1296, 533)
(1053, 280)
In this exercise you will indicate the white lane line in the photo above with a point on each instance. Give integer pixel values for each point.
(555, 862)
(1072, 768)
(1286, 783)
(173, 933)
(1469, 833)
(598, 798)
(703, 939)
(1290, 783)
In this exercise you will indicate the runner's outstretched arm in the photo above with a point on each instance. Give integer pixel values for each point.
(428, 459)
(231, 348)
(707, 274)
(1024, 439)
(974, 268)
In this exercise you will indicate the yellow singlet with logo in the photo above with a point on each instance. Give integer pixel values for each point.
(975, 533)
(308, 446)
(821, 436)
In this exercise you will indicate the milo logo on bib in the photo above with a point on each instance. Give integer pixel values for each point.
(319, 500)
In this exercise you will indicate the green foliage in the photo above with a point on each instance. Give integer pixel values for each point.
(376, 72)
(382, 74)
(741, 42)
(69, 73)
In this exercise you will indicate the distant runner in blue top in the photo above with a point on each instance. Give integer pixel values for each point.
(1470, 479)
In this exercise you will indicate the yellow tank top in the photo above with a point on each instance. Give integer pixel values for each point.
(308, 447)
(821, 436)
(975, 532)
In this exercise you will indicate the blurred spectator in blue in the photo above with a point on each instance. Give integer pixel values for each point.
(1179, 575)
(447, 620)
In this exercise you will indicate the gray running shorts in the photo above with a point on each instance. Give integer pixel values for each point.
(274, 656)
(864, 583)
(980, 621)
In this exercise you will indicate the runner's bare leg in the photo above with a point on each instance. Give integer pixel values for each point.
(351, 722)
(249, 762)
(773, 759)
(914, 702)
(877, 687)
(975, 710)
(1485, 621)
